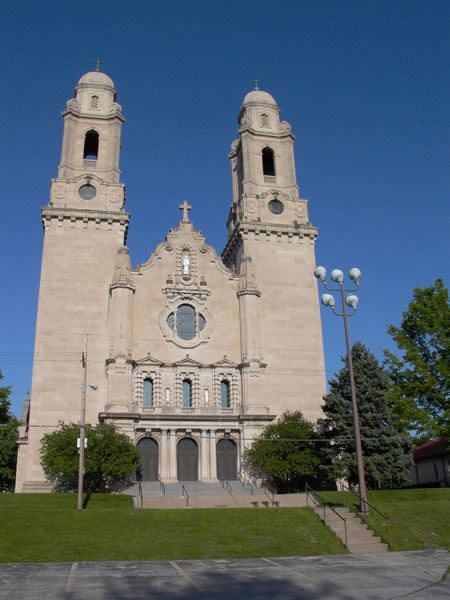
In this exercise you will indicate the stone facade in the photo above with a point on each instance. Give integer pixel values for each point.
(189, 344)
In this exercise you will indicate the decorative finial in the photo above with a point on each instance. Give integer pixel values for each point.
(257, 83)
(98, 62)
(185, 207)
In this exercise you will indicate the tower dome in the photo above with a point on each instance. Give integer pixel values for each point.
(96, 78)
(259, 97)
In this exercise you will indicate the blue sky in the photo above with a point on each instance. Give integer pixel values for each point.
(364, 85)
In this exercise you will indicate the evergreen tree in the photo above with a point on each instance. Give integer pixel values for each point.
(386, 450)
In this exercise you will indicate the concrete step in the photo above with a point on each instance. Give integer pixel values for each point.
(367, 548)
(206, 502)
(360, 539)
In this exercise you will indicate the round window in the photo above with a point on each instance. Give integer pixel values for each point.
(276, 207)
(186, 322)
(87, 192)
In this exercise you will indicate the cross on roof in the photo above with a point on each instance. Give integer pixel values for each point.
(257, 83)
(98, 62)
(185, 207)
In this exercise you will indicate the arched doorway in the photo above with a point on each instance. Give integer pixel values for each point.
(226, 460)
(187, 460)
(149, 451)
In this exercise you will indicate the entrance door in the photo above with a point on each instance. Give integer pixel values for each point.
(149, 451)
(187, 460)
(226, 460)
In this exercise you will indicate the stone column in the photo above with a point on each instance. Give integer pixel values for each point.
(173, 455)
(212, 454)
(204, 455)
(163, 456)
(248, 295)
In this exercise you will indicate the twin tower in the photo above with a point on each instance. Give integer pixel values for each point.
(191, 354)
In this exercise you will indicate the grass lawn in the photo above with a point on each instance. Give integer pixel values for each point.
(47, 527)
(419, 518)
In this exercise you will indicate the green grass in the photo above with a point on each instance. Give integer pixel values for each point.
(47, 527)
(418, 518)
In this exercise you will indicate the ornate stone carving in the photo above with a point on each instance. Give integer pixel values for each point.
(122, 274)
(247, 280)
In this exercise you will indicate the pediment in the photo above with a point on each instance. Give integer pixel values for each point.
(149, 360)
(187, 361)
(224, 362)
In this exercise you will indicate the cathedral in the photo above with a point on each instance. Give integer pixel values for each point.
(191, 353)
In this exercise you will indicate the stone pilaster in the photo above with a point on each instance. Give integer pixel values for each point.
(212, 454)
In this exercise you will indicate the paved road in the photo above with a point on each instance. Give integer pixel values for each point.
(405, 575)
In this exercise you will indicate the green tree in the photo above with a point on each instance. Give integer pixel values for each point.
(8, 439)
(420, 375)
(111, 459)
(284, 455)
(386, 450)
(5, 404)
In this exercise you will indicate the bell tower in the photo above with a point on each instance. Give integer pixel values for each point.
(84, 227)
(88, 173)
(269, 232)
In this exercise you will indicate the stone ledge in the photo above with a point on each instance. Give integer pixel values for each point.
(184, 417)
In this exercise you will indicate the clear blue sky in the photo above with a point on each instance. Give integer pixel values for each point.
(364, 85)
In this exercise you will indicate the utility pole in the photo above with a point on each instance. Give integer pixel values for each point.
(82, 425)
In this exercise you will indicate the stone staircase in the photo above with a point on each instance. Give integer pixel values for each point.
(360, 539)
(230, 494)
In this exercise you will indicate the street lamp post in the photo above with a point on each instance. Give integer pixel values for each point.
(82, 427)
(350, 301)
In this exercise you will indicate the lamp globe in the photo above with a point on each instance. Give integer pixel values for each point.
(321, 273)
(337, 275)
(355, 275)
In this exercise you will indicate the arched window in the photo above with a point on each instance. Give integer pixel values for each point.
(224, 394)
(187, 393)
(264, 120)
(148, 392)
(268, 162)
(94, 102)
(91, 145)
(186, 322)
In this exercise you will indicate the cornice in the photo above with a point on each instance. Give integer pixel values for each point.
(190, 418)
(94, 117)
(275, 230)
(53, 212)
(266, 133)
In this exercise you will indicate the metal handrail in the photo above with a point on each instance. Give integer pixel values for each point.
(245, 482)
(363, 516)
(270, 496)
(226, 486)
(161, 484)
(185, 494)
(141, 496)
(323, 503)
